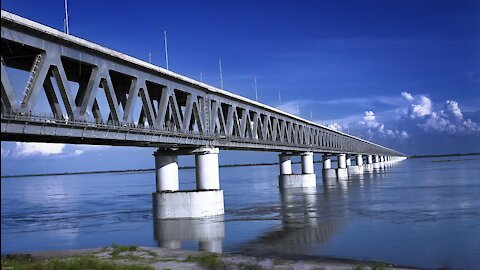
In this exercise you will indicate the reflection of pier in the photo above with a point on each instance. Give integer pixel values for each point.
(303, 226)
(209, 232)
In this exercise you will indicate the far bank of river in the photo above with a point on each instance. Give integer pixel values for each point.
(193, 167)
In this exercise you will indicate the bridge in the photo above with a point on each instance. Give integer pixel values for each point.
(95, 95)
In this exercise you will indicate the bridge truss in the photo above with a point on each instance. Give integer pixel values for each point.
(95, 95)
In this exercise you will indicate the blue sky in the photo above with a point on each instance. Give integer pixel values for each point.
(405, 74)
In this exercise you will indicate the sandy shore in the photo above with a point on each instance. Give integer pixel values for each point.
(161, 258)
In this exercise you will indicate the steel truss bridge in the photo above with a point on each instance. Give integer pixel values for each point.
(145, 105)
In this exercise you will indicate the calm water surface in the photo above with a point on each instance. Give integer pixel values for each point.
(417, 212)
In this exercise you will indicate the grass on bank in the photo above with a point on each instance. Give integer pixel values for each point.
(117, 249)
(76, 263)
(377, 266)
(214, 262)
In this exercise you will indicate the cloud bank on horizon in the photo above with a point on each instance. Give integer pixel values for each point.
(413, 121)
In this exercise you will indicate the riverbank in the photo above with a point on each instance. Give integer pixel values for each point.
(149, 258)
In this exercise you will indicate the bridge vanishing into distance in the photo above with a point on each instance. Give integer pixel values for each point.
(75, 91)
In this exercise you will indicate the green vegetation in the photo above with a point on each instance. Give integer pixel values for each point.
(214, 262)
(76, 263)
(250, 267)
(117, 249)
(376, 266)
(209, 261)
(153, 254)
(379, 266)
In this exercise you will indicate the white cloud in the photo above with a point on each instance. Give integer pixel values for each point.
(407, 96)
(5, 152)
(41, 149)
(450, 120)
(452, 109)
(335, 126)
(77, 152)
(369, 120)
(23, 149)
(419, 106)
(413, 116)
(374, 128)
(293, 107)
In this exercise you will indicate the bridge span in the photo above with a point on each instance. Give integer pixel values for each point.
(79, 92)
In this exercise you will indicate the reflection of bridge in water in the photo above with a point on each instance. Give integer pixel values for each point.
(303, 225)
(208, 232)
(310, 218)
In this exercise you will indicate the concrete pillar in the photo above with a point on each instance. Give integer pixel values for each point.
(368, 167)
(206, 168)
(376, 163)
(307, 163)
(342, 166)
(285, 164)
(206, 201)
(166, 170)
(327, 170)
(348, 161)
(358, 167)
(287, 179)
(359, 162)
(382, 161)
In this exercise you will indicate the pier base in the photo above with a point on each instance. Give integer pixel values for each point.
(342, 173)
(368, 168)
(297, 180)
(329, 173)
(353, 170)
(287, 179)
(188, 204)
(205, 201)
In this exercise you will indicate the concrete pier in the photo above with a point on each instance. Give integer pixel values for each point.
(368, 167)
(166, 170)
(206, 168)
(359, 162)
(205, 201)
(287, 179)
(382, 162)
(376, 163)
(307, 163)
(342, 172)
(327, 171)
(349, 164)
(358, 167)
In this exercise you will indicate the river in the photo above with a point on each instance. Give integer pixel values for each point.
(419, 212)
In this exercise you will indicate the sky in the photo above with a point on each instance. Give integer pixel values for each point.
(405, 74)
